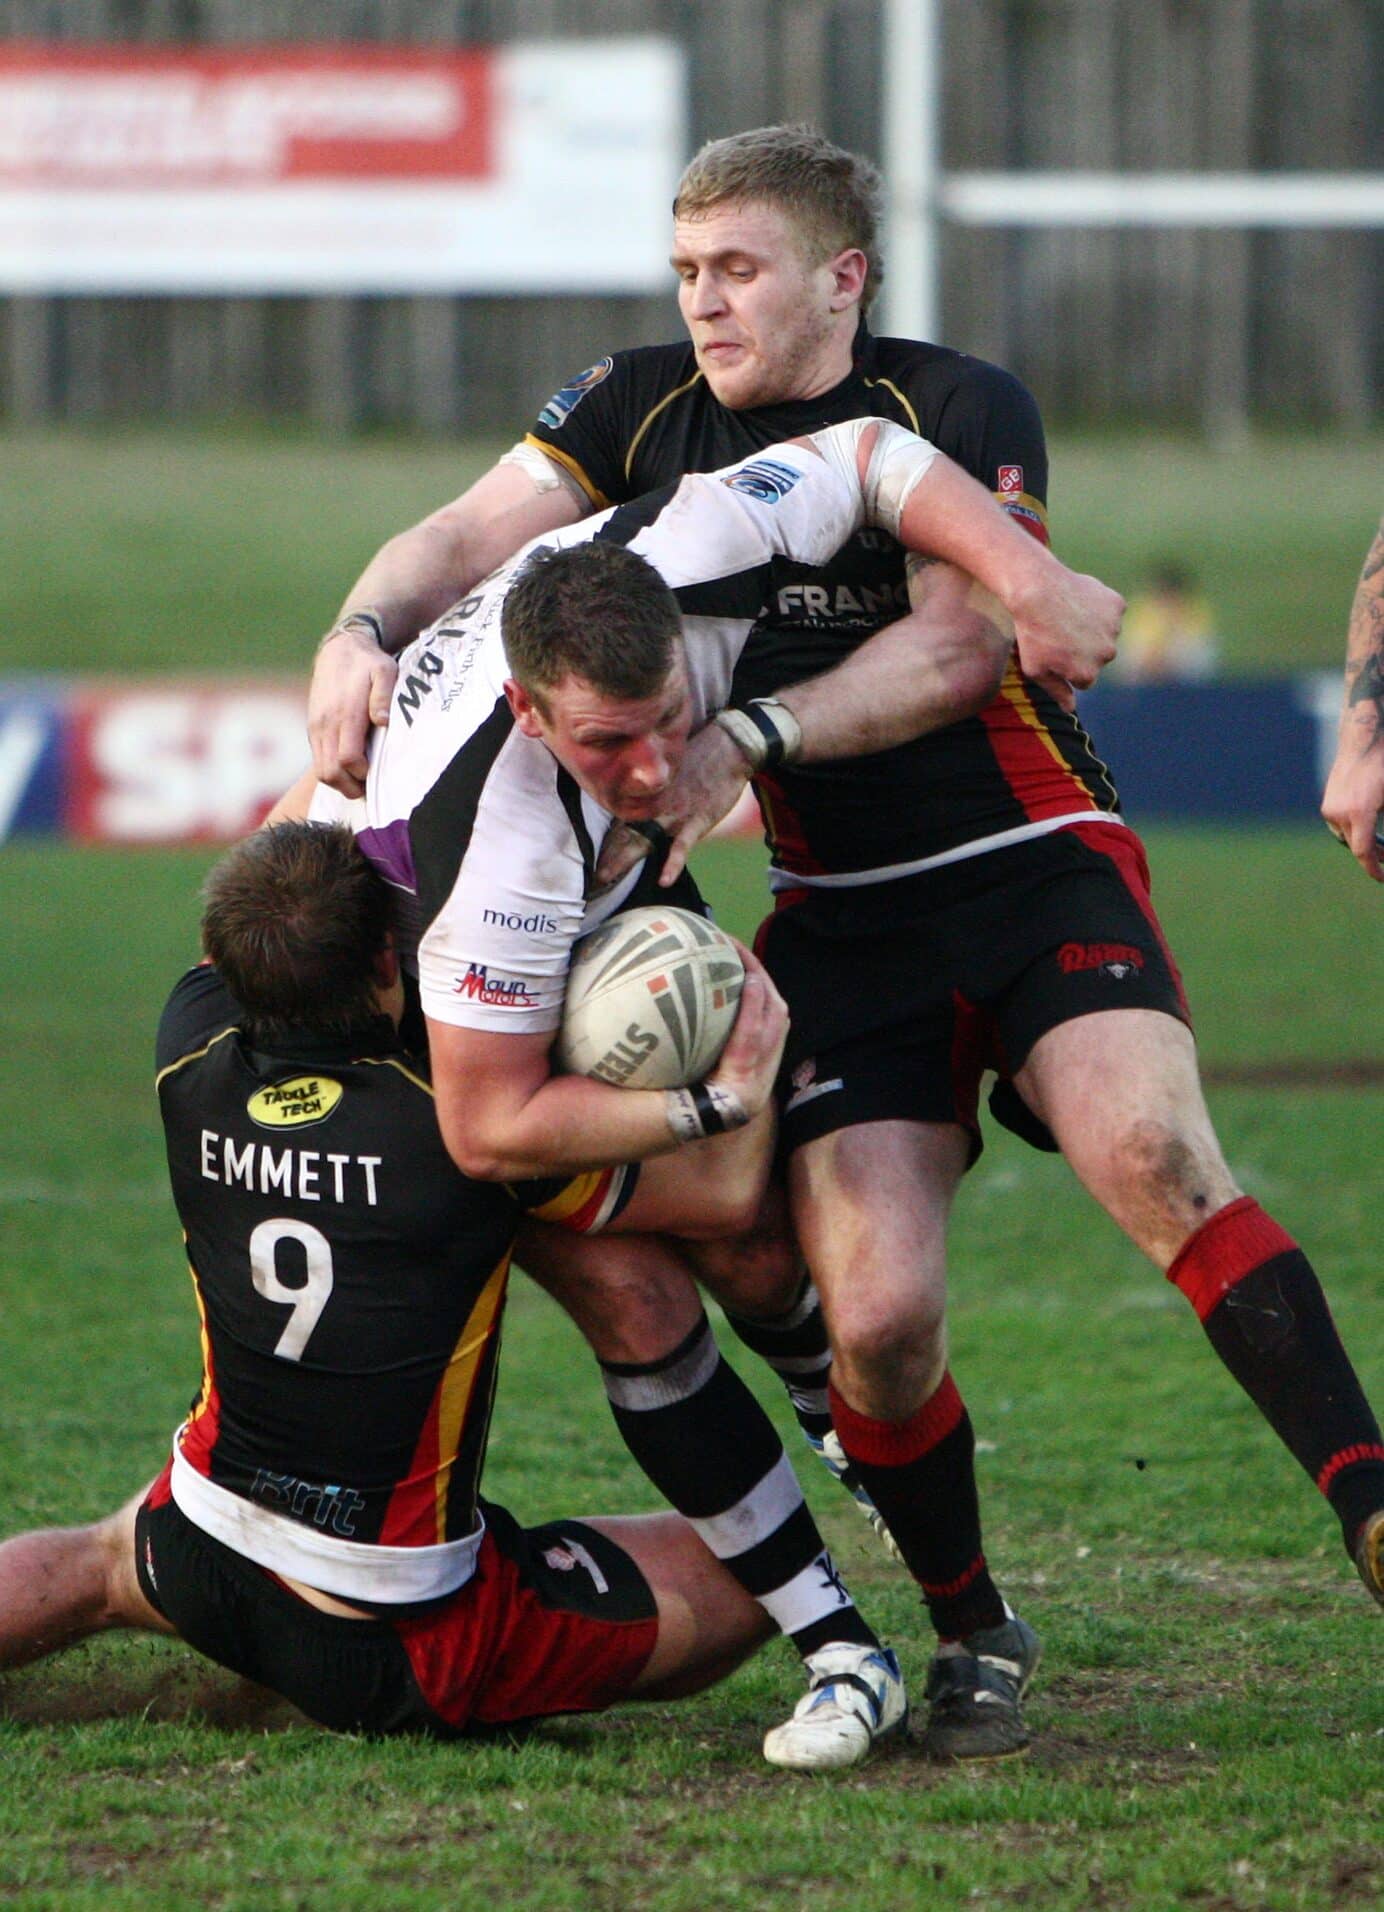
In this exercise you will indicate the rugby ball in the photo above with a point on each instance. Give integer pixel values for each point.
(651, 997)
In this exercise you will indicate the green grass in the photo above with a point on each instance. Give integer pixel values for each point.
(1209, 1725)
(1275, 528)
(166, 551)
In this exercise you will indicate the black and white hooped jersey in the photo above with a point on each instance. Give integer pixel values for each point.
(479, 824)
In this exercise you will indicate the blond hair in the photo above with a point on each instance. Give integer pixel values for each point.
(835, 199)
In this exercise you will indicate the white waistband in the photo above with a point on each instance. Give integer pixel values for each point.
(351, 1569)
(889, 872)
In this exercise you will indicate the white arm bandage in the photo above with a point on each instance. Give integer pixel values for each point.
(547, 474)
(900, 459)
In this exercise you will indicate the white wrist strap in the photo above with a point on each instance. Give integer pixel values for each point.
(703, 1109)
(764, 730)
(899, 461)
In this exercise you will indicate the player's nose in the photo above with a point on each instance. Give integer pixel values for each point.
(702, 297)
(649, 766)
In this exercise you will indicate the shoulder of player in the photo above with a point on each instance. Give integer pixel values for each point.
(662, 365)
(936, 374)
(200, 1011)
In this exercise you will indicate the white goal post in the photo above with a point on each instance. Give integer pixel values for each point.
(922, 194)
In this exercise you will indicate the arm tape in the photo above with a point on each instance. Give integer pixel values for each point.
(547, 474)
(703, 1109)
(899, 461)
(765, 732)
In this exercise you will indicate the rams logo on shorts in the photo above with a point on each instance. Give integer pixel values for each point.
(294, 1103)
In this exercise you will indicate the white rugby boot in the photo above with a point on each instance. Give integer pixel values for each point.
(855, 1698)
(832, 1455)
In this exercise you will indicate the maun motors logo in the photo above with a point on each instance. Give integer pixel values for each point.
(478, 985)
(1118, 961)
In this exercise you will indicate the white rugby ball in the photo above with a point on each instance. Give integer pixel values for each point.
(651, 997)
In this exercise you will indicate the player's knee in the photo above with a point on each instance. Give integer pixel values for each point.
(880, 1340)
(754, 1274)
(1153, 1157)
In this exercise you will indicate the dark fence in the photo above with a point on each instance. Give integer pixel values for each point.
(1217, 328)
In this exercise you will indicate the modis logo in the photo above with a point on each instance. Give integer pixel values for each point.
(295, 1103)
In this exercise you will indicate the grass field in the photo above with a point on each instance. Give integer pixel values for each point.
(1209, 1724)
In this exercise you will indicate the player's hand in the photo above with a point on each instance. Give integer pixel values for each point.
(352, 684)
(748, 1064)
(707, 788)
(1353, 805)
(1066, 630)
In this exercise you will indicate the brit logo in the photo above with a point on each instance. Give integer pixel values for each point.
(766, 479)
(1118, 961)
(1010, 481)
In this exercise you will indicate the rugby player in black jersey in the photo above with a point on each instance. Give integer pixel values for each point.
(968, 901)
(319, 1528)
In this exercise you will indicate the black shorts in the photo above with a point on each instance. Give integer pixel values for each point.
(555, 1619)
(903, 994)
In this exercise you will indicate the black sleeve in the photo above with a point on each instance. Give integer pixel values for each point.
(582, 425)
(592, 424)
(199, 1008)
(989, 423)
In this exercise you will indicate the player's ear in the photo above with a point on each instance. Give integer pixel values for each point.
(522, 705)
(849, 271)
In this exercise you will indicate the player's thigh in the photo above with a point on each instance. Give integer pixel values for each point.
(632, 1296)
(707, 1623)
(870, 1207)
(126, 1603)
(1121, 1092)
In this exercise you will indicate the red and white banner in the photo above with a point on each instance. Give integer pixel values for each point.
(540, 166)
(171, 760)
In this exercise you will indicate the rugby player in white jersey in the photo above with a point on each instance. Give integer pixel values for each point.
(561, 694)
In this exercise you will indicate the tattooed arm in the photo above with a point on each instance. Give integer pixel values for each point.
(1354, 801)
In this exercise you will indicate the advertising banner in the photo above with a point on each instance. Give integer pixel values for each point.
(200, 761)
(338, 169)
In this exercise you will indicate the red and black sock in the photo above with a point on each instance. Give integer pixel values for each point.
(920, 1473)
(1264, 1311)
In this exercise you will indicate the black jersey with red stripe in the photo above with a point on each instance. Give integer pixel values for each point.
(350, 1279)
(642, 418)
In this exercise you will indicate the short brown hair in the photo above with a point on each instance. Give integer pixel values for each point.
(596, 611)
(834, 198)
(294, 918)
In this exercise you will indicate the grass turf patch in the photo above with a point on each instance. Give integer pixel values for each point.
(1208, 1732)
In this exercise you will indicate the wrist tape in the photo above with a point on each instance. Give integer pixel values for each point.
(703, 1109)
(764, 730)
(371, 621)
